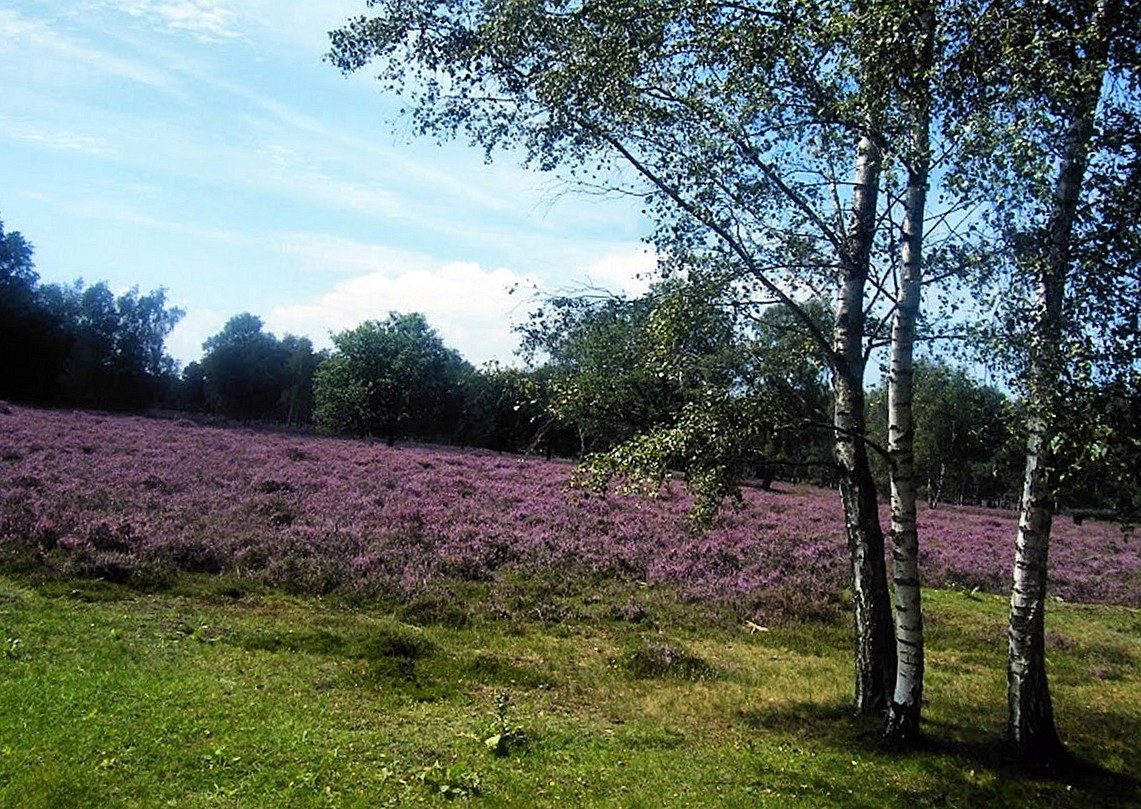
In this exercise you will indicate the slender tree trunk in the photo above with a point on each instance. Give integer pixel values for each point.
(874, 641)
(1031, 713)
(903, 719)
(903, 716)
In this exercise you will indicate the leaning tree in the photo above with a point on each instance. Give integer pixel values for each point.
(760, 136)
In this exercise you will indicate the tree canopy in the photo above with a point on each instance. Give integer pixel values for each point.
(79, 344)
(389, 378)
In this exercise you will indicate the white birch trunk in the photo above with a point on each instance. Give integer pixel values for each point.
(1031, 714)
(904, 713)
(875, 653)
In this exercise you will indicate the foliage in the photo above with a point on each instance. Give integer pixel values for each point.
(1100, 449)
(506, 736)
(29, 374)
(80, 345)
(670, 381)
(1046, 72)
(17, 270)
(117, 356)
(623, 367)
(246, 373)
(389, 379)
(969, 446)
(508, 411)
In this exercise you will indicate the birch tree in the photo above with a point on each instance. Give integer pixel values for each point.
(735, 122)
(1055, 146)
(904, 713)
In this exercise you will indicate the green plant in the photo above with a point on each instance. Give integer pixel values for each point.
(504, 736)
(12, 648)
(450, 782)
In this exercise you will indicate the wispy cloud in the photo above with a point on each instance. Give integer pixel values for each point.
(205, 20)
(343, 255)
(120, 212)
(54, 139)
(34, 44)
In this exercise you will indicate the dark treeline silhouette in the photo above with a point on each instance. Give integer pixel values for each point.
(79, 345)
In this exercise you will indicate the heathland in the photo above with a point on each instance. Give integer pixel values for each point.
(196, 616)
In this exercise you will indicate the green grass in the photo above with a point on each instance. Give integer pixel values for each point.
(215, 696)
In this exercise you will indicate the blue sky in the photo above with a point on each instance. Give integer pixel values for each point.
(205, 147)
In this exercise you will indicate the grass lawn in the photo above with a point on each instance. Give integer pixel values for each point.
(219, 695)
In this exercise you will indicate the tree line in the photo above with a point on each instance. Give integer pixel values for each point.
(742, 399)
(76, 344)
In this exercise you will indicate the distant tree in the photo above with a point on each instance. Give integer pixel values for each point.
(34, 341)
(389, 378)
(300, 369)
(757, 409)
(621, 366)
(1098, 463)
(145, 321)
(18, 276)
(967, 442)
(189, 392)
(786, 374)
(89, 375)
(512, 410)
(78, 344)
(677, 380)
(117, 357)
(244, 369)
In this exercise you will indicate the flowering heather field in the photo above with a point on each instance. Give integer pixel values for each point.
(138, 500)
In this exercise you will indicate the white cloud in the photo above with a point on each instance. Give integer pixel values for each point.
(626, 272)
(185, 342)
(473, 308)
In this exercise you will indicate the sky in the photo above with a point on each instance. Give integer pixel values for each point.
(206, 147)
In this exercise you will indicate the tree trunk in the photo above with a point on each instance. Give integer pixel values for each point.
(903, 716)
(874, 641)
(1031, 713)
(903, 719)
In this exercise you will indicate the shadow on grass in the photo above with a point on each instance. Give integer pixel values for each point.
(1070, 779)
(954, 764)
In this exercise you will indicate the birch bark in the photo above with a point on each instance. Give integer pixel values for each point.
(1031, 714)
(904, 712)
(874, 641)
